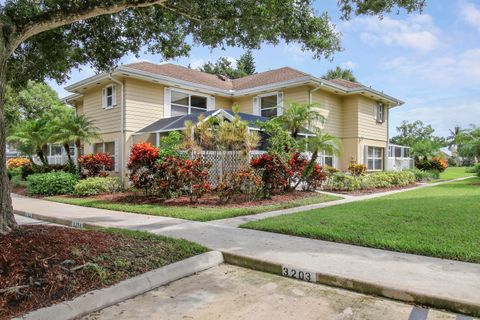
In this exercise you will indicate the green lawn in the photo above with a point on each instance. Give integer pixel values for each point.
(191, 213)
(441, 221)
(454, 173)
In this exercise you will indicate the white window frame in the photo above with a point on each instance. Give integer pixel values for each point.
(210, 100)
(373, 158)
(324, 155)
(257, 103)
(105, 96)
(380, 112)
(114, 155)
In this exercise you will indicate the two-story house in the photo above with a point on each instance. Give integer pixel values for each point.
(144, 100)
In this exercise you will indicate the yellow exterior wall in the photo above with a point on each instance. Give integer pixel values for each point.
(245, 104)
(367, 125)
(143, 103)
(297, 94)
(107, 120)
(330, 106)
(223, 103)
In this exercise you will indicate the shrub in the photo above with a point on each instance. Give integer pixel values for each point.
(95, 165)
(273, 171)
(244, 182)
(17, 171)
(193, 176)
(344, 182)
(316, 178)
(143, 166)
(422, 175)
(476, 168)
(17, 162)
(437, 164)
(52, 183)
(17, 181)
(357, 169)
(330, 170)
(96, 185)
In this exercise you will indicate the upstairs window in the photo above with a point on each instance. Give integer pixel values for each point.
(184, 103)
(380, 113)
(268, 106)
(109, 96)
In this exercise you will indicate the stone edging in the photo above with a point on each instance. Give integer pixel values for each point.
(98, 299)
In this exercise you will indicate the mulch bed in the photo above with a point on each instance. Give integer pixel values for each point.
(209, 200)
(371, 191)
(44, 265)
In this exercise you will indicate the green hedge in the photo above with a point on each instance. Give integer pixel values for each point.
(422, 175)
(96, 185)
(52, 183)
(346, 182)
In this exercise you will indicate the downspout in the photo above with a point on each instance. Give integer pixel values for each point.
(122, 130)
(385, 153)
(310, 95)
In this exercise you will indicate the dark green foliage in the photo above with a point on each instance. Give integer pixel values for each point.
(339, 73)
(223, 66)
(52, 183)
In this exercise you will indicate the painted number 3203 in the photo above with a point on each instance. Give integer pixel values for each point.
(298, 274)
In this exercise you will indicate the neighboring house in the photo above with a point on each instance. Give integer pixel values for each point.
(144, 100)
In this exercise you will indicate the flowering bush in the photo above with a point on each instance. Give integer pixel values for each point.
(176, 176)
(143, 166)
(357, 169)
(436, 164)
(274, 173)
(244, 182)
(17, 162)
(316, 178)
(297, 175)
(95, 165)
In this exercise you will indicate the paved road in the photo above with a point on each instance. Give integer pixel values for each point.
(228, 292)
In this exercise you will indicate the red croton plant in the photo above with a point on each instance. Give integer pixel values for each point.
(95, 165)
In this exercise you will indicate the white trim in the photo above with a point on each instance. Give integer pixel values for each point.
(167, 107)
(105, 96)
(190, 94)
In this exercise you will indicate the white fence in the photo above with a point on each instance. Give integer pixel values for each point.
(399, 164)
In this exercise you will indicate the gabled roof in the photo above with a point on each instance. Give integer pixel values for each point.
(171, 74)
(178, 123)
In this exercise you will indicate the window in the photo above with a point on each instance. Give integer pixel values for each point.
(268, 106)
(56, 150)
(374, 158)
(398, 152)
(109, 99)
(328, 160)
(105, 147)
(380, 113)
(185, 103)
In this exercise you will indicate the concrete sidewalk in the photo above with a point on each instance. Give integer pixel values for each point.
(434, 282)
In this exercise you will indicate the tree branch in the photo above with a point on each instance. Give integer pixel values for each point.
(60, 18)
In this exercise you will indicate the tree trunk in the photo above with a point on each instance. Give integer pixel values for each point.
(66, 146)
(7, 219)
(42, 158)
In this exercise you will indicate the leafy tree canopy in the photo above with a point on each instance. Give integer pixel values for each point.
(46, 39)
(339, 73)
(420, 137)
(245, 66)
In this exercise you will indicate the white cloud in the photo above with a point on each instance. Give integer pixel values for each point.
(134, 59)
(470, 13)
(196, 62)
(442, 115)
(444, 70)
(296, 53)
(349, 65)
(417, 32)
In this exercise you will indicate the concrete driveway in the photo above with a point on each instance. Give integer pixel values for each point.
(230, 292)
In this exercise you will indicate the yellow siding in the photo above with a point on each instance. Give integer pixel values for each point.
(143, 103)
(350, 117)
(350, 153)
(367, 125)
(245, 104)
(297, 94)
(107, 120)
(329, 106)
(223, 103)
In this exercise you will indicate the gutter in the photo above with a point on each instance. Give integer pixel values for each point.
(122, 128)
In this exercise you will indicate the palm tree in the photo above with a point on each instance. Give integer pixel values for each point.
(32, 135)
(339, 73)
(300, 115)
(321, 142)
(470, 143)
(69, 128)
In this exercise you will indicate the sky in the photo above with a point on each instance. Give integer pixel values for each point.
(430, 60)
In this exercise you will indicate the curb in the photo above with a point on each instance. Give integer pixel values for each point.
(438, 302)
(98, 299)
(454, 305)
